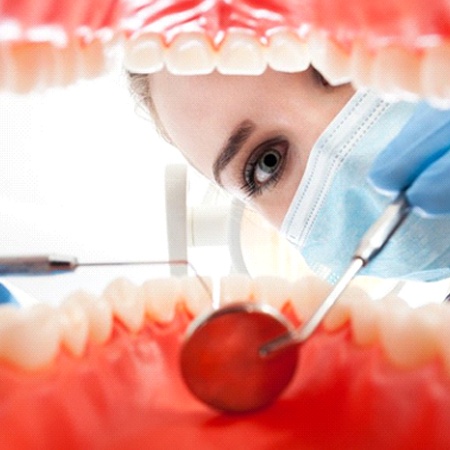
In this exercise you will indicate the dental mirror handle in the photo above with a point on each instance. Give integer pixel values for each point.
(370, 245)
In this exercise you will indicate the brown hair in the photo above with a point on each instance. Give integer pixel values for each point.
(139, 84)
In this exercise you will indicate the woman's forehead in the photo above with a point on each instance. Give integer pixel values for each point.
(202, 109)
(216, 99)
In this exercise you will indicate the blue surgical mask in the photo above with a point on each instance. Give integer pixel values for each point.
(335, 205)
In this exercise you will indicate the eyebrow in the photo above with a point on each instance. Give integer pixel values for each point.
(234, 143)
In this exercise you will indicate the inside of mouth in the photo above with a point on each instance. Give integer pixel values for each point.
(114, 359)
(102, 371)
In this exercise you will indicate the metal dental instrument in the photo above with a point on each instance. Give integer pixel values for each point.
(54, 264)
(370, 245)
(59, 264)
(241, 357)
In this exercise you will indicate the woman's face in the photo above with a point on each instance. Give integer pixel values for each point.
(250, 134)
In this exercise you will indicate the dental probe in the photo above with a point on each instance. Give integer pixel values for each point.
(370, 245)
(58, 264)
(240, 357)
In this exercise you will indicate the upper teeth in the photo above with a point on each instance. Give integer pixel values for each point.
(392, 70)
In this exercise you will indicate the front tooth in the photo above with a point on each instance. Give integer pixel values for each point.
(67, 64)
(241, 54)
(74, 326)
(144, 54)
(126, 304)
(395, 72)
(408, 336)
(236, 288)
(31, 337)
(272, 290)
(197, 294)
(361, 61)
(4, 64)
(286, 52)
(33, 66)
(9, 317)
(92, 59)
(332, 61)
(190, 54)
(160, 295)
(99, 314)
(434, 72)
(364, 325)
(341, 312)
(307, 294)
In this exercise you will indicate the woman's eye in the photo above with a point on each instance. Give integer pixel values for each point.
(265, 166)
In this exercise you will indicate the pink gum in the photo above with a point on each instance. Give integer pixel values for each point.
(128, 393)
(406, 22)
(72, 18)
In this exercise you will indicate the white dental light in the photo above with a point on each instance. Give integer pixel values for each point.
(214, 222)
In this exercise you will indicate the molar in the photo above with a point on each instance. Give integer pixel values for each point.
(144, 53)
(286, 52)
(241, 54)
(125, 302)
(408, 336)
(190, 54)
(35, 66)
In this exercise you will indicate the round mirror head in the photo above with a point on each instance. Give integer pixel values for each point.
(221, 363)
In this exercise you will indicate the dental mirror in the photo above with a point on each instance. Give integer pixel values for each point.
(239, 358)
(221, 363)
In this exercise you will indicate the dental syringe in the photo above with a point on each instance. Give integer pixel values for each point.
(57, 264)
(53, 264)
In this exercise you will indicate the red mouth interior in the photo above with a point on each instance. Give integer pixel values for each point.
(128, 393)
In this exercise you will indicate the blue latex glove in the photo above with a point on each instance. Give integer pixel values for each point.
(418, 157)
(6, 296)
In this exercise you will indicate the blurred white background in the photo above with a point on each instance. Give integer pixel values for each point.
(81, 173)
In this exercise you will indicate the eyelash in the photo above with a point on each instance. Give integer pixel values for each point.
(250, 186)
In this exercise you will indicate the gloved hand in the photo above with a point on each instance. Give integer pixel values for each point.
(6, 296)
(418, 159)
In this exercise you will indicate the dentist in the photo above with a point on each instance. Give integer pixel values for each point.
(300, 152)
